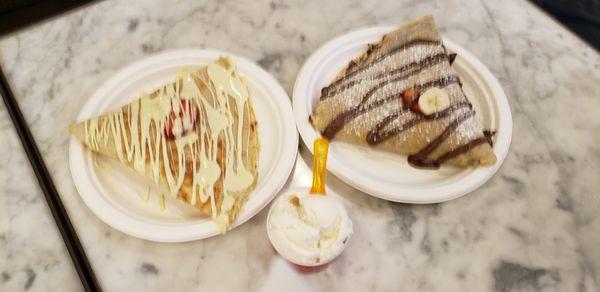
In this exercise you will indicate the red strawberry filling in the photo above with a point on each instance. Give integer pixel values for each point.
(181, 119)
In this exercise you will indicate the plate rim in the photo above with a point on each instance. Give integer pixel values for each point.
(187, 231)
(300, 96)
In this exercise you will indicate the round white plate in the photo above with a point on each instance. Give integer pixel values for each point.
(388, 175)
(130, 203)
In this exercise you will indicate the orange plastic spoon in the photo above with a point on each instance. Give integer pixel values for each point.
(321, 147)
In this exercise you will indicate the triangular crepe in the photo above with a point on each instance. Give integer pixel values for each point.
(376, 100)
(196, 137)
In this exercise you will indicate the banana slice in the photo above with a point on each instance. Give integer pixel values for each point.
(433, 100)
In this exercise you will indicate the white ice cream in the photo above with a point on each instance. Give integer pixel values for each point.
(308, 229)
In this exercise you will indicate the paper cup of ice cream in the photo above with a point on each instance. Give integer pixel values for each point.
(308, 230)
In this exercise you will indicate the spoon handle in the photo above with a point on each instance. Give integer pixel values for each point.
(321, 147)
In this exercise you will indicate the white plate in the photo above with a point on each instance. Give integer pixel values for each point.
(388, 175)
(119, 196)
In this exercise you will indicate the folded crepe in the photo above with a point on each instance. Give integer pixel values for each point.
(197, 138)
(402, 95)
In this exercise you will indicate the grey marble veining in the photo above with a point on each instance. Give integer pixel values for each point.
(32, 254)
(534, 226)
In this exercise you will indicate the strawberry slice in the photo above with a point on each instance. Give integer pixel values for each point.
(415, 107)
(181, 119)
(407, 98)
(408, 95)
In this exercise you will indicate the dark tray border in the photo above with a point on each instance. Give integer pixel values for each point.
(15, 19)
(61, 217)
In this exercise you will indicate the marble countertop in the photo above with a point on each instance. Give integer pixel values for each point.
(534, 226)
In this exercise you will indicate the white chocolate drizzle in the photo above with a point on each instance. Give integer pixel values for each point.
(217, 116)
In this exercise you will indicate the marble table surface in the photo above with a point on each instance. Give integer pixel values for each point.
(534, 226)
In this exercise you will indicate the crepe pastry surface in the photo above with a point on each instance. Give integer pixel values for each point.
(402, 95)
(196, 138)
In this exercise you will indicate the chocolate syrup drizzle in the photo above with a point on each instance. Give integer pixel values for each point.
(345, 117)
(419, 159)
(326, 91)
(378, 135)
(416, 67)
